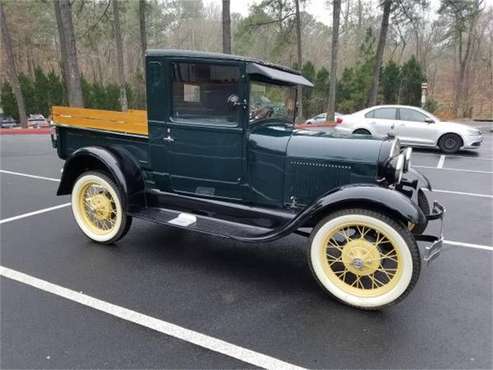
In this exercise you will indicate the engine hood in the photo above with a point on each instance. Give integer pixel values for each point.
(319, 161)
(333, 146)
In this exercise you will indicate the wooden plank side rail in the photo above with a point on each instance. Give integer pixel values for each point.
(131, 122)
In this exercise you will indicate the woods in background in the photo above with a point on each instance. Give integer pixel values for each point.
(89, 53)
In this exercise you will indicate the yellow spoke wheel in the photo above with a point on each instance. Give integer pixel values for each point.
(361, 259)
(98, 209)
(364, 258)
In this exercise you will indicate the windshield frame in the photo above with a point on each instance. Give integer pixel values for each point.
(291, 119)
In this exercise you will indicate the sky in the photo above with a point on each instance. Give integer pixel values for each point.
(318, 8)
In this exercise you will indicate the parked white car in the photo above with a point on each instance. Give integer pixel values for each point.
(413, 126)
(320, 118)
(37, 121)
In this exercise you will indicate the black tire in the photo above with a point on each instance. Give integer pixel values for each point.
(450, 143)
(361, 131)
(114, 200)
(404, 233)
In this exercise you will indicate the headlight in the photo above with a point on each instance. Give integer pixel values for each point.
(407, 158)
(399, 168)
(473, 132)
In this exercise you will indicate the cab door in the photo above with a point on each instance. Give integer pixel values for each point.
(202, 137)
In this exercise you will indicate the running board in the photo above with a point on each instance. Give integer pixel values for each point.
(203, 224)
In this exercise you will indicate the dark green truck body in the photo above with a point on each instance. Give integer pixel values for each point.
(266, 166)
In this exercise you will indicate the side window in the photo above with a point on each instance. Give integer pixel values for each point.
(385, 113)
(411, 115)
(200, 92)
(370, 114)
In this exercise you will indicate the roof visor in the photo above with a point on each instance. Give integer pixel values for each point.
(277, 74)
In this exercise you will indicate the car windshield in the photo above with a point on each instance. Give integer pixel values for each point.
(270, 101)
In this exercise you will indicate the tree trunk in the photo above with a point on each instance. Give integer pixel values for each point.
(336, 12)
(12, 70)
(119, 55)
(300, 58)
(63, 49)
(68, 47)
(143, 35)
(226, 27)
(372, 96)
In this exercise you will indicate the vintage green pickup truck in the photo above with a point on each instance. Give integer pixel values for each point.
(218, 153)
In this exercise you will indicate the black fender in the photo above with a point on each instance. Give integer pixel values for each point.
(369, 196)
(116, 162)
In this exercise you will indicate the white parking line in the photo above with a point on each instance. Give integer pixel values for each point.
(441, 161)
(469, 245)
(29, 175)
(29, 214)
(452, 156)
(175, 331)
(453, 169)
(461, 193)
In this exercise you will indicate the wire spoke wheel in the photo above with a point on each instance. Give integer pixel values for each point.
(364, 258)
(361, 259)
(98, 207)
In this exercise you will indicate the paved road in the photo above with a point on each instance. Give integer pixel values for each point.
(261, 297)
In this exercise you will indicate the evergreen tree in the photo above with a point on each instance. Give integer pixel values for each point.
(308, 71)
(412, 76)
(391, 80)
(56, 90)
(27, 89)
(8, 101)
(41, 92)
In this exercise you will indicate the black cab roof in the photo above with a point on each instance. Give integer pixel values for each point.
(254, 66)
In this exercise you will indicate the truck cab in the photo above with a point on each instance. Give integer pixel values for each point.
(217, 152)
(219, 125)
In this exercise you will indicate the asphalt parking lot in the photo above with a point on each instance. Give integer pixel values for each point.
(260, 301)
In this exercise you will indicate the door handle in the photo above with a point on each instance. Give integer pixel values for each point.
(168, 139)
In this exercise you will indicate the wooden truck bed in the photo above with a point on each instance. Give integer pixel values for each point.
(131, 122)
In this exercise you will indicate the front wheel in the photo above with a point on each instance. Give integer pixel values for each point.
(363, 258)
(98, 208)
(450, 143)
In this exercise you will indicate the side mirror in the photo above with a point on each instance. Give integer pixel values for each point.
(233, 101)
(429, 120)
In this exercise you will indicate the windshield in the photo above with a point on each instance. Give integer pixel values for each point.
(269, 101)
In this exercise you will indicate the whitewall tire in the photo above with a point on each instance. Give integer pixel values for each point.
(364, 258)
(98, 208)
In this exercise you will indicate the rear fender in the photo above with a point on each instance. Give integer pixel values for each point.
(114, 161)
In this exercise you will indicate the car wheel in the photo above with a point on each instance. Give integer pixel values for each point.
(98, 208)
(364, 258)
(361, 131)
(450, 143)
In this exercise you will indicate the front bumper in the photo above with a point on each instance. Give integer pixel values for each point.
(472, 141)
(432, 250)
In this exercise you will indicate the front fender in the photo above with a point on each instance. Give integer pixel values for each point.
(118, 164)
(373, 197)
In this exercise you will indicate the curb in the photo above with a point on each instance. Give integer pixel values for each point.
(24, 131)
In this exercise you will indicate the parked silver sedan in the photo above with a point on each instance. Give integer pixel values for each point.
(320, 118)
(413, 126)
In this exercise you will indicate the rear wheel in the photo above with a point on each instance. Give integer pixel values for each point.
(98, 208)
(450, 143)
(364, 258)
(361, 131)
